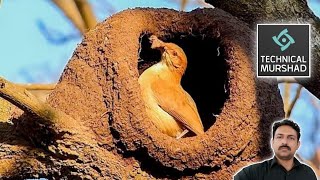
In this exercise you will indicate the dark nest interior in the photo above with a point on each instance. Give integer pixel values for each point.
(206, 77)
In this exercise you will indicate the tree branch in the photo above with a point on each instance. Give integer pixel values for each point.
(286, 80)
(35, 86)
(86, 13)
(69, 8)
(286, 97)
(24, 100)
(288, 113)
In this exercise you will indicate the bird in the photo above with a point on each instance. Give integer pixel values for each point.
(171, 109)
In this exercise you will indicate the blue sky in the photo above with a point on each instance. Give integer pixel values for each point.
(27, 57)
(315, 6)
(25, 54)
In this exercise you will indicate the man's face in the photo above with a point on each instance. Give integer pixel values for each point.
(285, 142)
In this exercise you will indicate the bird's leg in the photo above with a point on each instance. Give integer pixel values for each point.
(182, 134)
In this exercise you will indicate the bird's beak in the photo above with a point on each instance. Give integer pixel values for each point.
(156, 43)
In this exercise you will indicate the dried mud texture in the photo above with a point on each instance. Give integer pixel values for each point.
(5, 110)
(99, 87)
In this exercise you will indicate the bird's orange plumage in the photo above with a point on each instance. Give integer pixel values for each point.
(168, 105)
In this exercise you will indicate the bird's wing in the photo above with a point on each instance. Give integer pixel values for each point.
(179, 104)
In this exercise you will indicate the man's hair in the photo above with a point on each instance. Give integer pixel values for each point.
(286, 122)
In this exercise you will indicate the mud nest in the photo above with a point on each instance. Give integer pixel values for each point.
(100, 83)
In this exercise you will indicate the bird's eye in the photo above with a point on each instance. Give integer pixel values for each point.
(175, 53)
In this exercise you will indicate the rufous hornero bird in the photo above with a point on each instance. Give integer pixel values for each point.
(168, 105)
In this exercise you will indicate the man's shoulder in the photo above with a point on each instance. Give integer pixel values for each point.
(307, 169)
(253, 171)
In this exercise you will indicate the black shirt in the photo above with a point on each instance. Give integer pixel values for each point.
(271, 170)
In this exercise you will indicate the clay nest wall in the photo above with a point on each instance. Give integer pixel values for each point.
(99, 87)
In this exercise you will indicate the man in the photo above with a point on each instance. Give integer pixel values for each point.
(283, 166)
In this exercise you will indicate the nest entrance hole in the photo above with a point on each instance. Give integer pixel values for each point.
(206, 77)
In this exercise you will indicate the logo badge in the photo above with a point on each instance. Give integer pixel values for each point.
(283, 39)
(283, 50)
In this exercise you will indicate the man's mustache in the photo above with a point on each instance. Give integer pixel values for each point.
(284, 146)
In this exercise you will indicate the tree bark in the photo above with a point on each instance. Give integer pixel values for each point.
(277, 11)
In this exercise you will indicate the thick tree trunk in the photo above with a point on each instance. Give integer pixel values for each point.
(277, 11)
(104, 132)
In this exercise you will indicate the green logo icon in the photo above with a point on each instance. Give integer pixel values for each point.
(286, 39)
